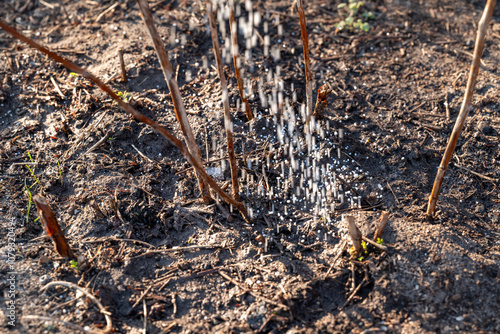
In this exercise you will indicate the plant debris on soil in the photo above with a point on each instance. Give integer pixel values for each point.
(152, 257)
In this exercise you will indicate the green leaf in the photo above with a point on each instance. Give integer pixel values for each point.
(349, 20)
(341, 5)
(73, 264)
(365, 27)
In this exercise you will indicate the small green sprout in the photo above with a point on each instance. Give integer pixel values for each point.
(125, 96)
(360, 259)
(351, 22)
(73, 264)
(74, 74)
(368, 16)
(380, 241)
(31, 171)
(365, 246)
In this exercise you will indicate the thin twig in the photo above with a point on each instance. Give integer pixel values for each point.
(110, 8)
(9, 62)
(58, 90)
(373, 243)
(107, 315)
(96, 145)
(141, 154)
(145, 312)
(24, 163)
(178, 249)
(174, 304)
(393, 194)
(491, 179)
(143, 294)
(354, 293)
(353, 273)
(101, 240)
(342, 248)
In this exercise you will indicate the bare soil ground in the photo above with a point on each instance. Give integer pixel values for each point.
(161, 260)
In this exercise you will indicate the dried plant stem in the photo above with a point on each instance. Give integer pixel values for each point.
(466, 106)
(180, 111)
(236, 60)
(382, 222)
(140, 117)
(122, 65)
(52, 228)
(307, 62)
(107, 315)
(374, 244)
(228, 124)
(355, 235)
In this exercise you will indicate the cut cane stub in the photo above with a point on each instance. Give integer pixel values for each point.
(51, 226)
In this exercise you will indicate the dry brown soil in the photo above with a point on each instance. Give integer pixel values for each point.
(397, 92)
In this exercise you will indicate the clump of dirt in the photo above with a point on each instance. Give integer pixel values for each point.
(159, 260)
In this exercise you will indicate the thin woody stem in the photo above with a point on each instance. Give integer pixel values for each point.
(236, 60)
(228, 124)
(464, 110)
(168, 73)
(307, 62)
